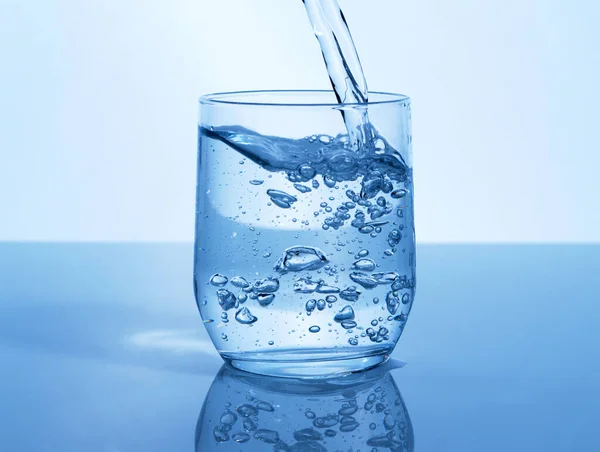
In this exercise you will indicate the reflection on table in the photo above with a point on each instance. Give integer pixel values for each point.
(255, 413)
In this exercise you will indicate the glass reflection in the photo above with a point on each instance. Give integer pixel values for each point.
(360, 412)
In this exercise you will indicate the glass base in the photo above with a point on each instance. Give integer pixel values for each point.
(310, 363)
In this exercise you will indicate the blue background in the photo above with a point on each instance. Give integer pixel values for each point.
(99, 109)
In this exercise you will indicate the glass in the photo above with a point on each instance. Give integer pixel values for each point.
(364, 411)
(305, 248)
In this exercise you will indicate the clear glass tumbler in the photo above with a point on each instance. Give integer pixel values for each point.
(305, 246)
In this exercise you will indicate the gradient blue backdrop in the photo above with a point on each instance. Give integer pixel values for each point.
(98, 108)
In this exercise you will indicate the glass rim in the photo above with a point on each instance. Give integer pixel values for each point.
(233, 98)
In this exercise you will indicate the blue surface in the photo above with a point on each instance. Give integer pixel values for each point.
(102, 349)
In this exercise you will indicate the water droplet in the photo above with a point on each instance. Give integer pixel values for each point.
(245, 317)
(320, 304)
(364, 265)
(373, 426)
(226, 299)
(265, 299)
(352, 341)
(330, 298)
(301, 258)
(267, 285)
(239, 282)
(224, 336)
(314, 329)
(330, 433)
(310, 414)
(363, 253)
(302, 188)
(406, 298)
(267, 436)
(368, 282)
(347, 313)
(256, 182)
(315, 183)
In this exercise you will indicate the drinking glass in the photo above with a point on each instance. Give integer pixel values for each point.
(305, 245)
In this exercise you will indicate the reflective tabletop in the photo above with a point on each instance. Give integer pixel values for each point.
(102, 349)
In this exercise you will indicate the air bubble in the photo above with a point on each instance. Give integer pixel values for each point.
(267, 285)
(364, 265)
(265, 299)
(348, 324)
(347, 313)
(239, 282)
(400, 193)
(301, 258)
(368, 282)
(218, 280)
(245, 317)
(350, 294)
(226, 299)
(302, 188)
